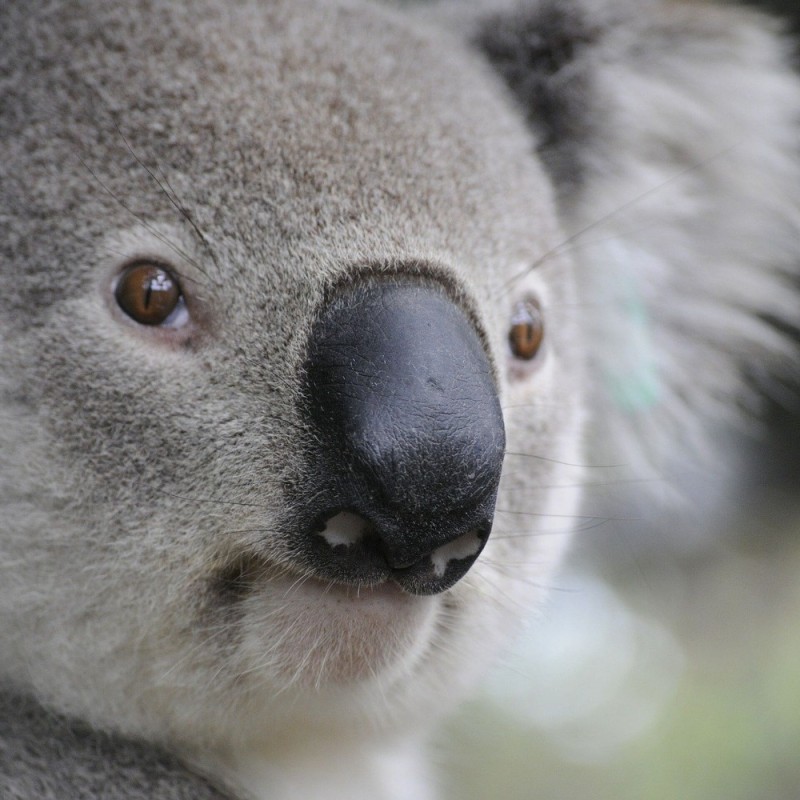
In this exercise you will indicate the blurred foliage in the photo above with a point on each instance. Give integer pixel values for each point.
(730, 730)
(679, 671)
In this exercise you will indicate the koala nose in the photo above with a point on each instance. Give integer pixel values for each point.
(408, 437)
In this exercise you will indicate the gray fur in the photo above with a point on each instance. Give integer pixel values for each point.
(268, 151)
(44, 756)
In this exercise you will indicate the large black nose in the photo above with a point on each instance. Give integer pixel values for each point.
(408, 437)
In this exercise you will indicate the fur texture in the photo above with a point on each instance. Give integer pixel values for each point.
(632, 168)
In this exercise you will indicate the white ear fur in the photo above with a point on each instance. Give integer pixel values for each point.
(696, 186)
(675, 143)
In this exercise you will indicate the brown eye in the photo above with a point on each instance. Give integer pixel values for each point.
(527, 331)
(149, 294)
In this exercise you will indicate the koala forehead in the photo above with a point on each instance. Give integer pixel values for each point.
(299, 137)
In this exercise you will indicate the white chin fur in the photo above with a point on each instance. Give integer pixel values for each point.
(313, 633)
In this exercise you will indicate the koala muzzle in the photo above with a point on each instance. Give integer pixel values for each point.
(408, 438)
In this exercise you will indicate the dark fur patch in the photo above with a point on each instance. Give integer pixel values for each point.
(236, 581)
(540, 55)
(49, 757)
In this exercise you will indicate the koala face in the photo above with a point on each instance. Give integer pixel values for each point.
(273, 321)
(305, 306)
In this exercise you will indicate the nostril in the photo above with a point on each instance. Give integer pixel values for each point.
(465, 546)
(354, 549)
(440, 568)
(345, 529)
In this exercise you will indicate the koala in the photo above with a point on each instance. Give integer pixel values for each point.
(311, 312)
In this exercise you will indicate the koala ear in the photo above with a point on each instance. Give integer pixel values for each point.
(545, 53)
(672, 134)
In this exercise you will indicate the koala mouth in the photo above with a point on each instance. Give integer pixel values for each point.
(349, 548)
(249, 573)
(348, 553)
(347, 529)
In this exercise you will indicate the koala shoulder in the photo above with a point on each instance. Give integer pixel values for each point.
(44, 756)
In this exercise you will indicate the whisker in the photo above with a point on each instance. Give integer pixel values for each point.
(569, 531)
(577, 485)
(190, 219)
(495, 592)
(172, 197)
(523, 513)
(145, 224)
(563, 463)
(570, 240)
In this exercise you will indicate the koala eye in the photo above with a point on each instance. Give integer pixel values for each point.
(527, 330)
(151, 295)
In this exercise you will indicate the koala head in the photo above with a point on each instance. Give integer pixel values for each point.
(255, 360)
(296, 340)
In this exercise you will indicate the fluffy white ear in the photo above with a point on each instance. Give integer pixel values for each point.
(672, 132)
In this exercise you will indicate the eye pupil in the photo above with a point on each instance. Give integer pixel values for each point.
(526, 332)
(147, 293)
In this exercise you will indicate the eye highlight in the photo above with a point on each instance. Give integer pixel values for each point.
(527, 330)
(151, 295)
